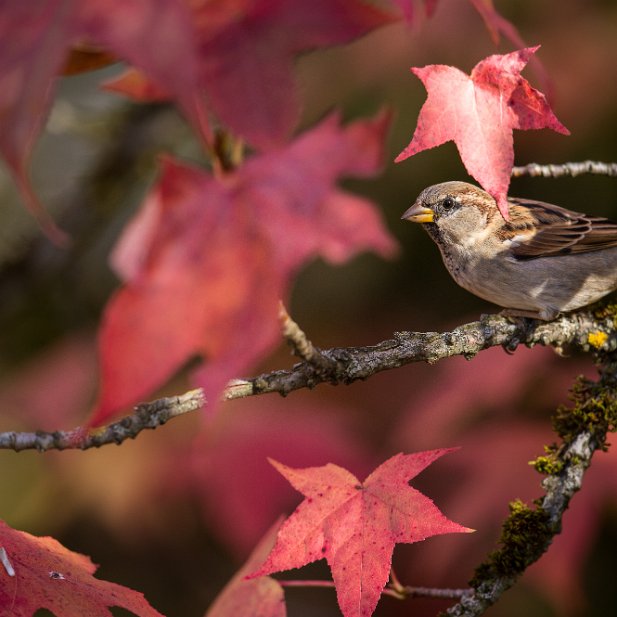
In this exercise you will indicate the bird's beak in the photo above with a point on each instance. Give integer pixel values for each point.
(418, 214)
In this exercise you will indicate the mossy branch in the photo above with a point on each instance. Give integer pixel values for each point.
(528, 532)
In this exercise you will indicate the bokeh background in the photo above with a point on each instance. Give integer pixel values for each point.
(174, 515)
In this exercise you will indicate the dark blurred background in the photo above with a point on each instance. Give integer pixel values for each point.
(172, 515)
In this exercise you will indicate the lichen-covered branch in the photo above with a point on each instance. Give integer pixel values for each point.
(344, 365)
(528, 532)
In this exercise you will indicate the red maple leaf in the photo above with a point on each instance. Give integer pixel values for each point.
(261, 597)
(37, 38)
(41, 573)
(478, 113)
(355, 525)
(240, 52)
(34, 42)
(246, 58)
(207, 259)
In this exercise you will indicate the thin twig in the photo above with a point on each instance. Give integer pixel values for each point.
(410, 592)
(395, 583)
(566, 169)
(146, 416)
(300, 343)
(437, 593)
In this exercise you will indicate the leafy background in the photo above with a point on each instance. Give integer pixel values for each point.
(173, 517)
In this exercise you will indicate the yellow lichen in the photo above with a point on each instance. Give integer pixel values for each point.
(597, 339)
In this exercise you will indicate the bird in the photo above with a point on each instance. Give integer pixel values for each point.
(542, 261)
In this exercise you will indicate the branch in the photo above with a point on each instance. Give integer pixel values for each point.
(566, 169)
(145, 416)
(528, 532)
(301, 345)
(583, 330)
(344, 365)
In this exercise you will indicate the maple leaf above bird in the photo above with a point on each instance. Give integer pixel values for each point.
(543, 261)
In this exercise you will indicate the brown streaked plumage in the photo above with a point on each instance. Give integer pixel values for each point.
(542, 261)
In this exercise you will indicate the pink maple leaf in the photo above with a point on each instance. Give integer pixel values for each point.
(34, 40)
(207, 259)
(37, 37)
(40, 573)
(355, 525)
(478, 113)
(246, 58)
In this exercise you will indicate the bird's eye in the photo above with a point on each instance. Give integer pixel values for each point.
(448, 203)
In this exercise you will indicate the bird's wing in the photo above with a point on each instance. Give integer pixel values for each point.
(556, 231)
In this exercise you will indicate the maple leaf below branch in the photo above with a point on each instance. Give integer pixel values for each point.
(355, 525)
(479, 113)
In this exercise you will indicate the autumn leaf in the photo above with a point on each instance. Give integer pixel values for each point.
(37, 37)
(34, 41)
(207, 259)
(136, 85)
(258, 597)
(479, 113)
(246, 58)
(41, 573)
(355, 525)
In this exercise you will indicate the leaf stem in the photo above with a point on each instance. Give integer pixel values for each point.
(408, 592)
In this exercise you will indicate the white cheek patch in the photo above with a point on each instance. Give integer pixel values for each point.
(476, 237)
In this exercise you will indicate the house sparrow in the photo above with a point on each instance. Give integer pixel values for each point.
(542, 261)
